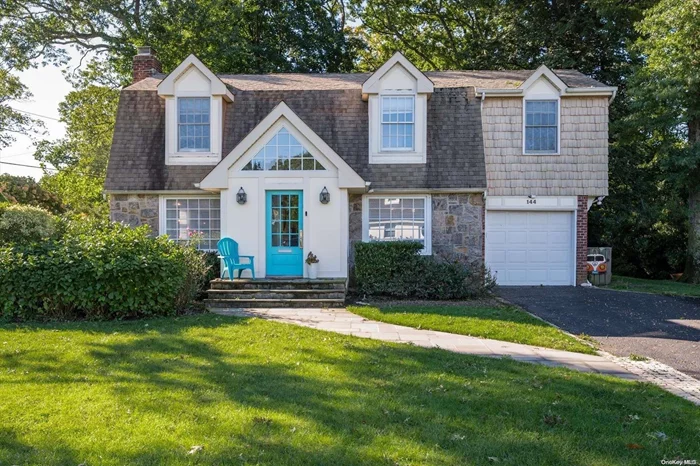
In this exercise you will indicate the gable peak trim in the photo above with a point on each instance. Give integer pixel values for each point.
(423, 84)
(218, 178)
(167, 86)
(543, 72)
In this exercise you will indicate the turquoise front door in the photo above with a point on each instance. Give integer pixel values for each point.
(284, 236)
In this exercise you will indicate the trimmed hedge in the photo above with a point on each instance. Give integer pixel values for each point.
(98, 270)
(397, 269)
(25, 224)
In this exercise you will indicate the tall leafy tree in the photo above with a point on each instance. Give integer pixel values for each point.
(666, 99)
(229, 35)
(12, 121)
(81, 156)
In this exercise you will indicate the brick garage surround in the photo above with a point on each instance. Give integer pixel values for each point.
(135, 210)
(581, 239)
(457, 225)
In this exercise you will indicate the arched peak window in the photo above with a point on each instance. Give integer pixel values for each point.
(283, 153)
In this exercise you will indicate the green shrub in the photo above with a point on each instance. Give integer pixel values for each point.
(98, 270)
(23, 224)
(397, 269)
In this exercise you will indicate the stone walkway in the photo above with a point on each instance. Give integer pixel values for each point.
(342, 321)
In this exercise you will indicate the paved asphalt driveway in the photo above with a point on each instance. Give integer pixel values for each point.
(661, 327)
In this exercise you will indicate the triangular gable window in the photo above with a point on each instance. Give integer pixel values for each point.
(283, 153)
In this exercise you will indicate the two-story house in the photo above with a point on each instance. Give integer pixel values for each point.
(500, 166)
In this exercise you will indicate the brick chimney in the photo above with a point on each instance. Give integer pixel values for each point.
(145, 64)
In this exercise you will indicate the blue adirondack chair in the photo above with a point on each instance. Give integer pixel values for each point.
(228, 251)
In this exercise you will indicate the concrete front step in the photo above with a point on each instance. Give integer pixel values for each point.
(273, 303)
(276, 294)
(279, 284)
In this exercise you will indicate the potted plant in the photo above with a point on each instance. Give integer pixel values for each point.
(312, 262)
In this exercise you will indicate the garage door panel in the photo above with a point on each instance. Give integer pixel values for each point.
(498, 237)
(556, 219)
(516, 220)
(536, 219)
(516, 257)
(559, 237)
(559, 257)
(498, 219)
(537, 237)
(516, 237)
(530, 248)
(537, 256)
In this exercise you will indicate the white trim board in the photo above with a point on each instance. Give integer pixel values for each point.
(549, 203)
(217, 179)
(372, 85)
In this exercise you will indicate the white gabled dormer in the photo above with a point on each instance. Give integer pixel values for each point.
(193, 114)
(397, 95)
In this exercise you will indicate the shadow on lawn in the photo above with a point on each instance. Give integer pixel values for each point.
(370, 401)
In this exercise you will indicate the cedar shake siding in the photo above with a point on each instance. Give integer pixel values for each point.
(581, 168)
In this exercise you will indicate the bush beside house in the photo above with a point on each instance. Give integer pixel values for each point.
(98, 270)
(397, 269)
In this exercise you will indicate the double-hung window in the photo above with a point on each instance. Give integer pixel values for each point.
(405, 218)
(194, 221)
(541, 127)
(398, 123)
(193, 124)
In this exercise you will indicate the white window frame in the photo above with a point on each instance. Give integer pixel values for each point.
(377, 155)
(173, 154)
(428, 249)
(557, 100)
(382, 123)
(179, 125)
(162, 213)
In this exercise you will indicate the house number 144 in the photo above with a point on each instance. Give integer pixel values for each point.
(532, 201)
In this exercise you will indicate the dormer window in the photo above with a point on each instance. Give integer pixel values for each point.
(541, 126)
(398, 124)
(194, 129)
(397, 96)
(194, 114)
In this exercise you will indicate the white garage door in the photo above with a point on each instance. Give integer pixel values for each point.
(530, 248)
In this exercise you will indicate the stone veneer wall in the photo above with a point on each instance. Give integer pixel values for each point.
(135, 210)
(457, 225)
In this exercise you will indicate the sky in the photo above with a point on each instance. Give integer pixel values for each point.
(49, 88)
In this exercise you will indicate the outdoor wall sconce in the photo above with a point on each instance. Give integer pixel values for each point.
(241, 196)
(325, 196)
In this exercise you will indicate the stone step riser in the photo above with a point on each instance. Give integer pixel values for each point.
(233, 285)
(261, 303)
(277, 294)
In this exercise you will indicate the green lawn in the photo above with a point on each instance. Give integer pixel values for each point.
(665, 287)
(257, 392)
(499, 322)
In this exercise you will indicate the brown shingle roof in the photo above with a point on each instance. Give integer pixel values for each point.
(332, 106)
(455, 149)
(336, 81)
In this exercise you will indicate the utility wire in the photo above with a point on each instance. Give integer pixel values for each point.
(25, 165)
(35, 114)
(47, 168)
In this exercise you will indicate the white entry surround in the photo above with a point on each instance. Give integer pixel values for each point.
(531, 240)
(325, 226)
